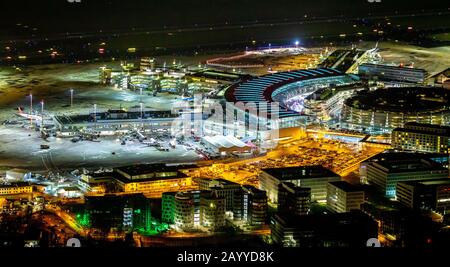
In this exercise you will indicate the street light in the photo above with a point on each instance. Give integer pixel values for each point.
(31, 110)
(71, 98)
(95, 113)
(42, 113)
(31, 103)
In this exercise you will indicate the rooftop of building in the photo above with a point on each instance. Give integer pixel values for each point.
(131, 115)
(169, 194)
(393, 67)
(141, 169)
(421, 128)
(328, 222)
(224, 182)
(301, 172)
(427, 183)
(220, 75)
(114, 198)
(120, 178)
(346, 186)
(446, 73)
(101, 174)
(187, 195)
(411, 165)
(253, 190)
(70, 188)
(211, 195)
(404, 156)
(16, 184)
(404, 99)
(295, 189)
(261, 89)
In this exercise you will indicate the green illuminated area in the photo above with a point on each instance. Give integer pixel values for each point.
(151, 227)
(83, 220)
(155, 228)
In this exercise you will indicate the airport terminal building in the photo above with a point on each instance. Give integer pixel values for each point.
(280, 101)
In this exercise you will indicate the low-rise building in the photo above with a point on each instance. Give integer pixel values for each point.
(294, 199)
(440, 158)
(126, 213)
(402, 227)
(351, 229)
(344, 197)
(95, 182)
(153, 179)
(422, 138)
(314, 177)
(224, 188)
(212, 211)
(385, 172)
(391, 73)
(16, 188)
(250, 206)
(196, 209)
(425, 195)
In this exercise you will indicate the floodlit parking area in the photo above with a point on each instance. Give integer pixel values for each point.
(341, 157)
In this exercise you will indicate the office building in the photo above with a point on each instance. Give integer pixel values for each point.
(195, 209)
(250, 206)
(126, 213)
(344, 197)
(430, 195)
(314, 177)
(385, 172)
(212, 211)
(422, 138)
(391, 73)
(153, 179)
(168, 207)
(242, 203)
(442, 159)
(224, 188)
(96, 183)
(351, 229)
(185, 217)
(294, 199)
(402, 227)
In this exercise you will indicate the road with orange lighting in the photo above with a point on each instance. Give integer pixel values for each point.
(68, 219)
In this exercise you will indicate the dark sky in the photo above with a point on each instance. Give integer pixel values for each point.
(92, 15)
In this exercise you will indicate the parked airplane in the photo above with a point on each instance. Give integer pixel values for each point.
(36, 118)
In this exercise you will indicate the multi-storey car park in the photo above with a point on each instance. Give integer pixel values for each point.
(384, 109)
